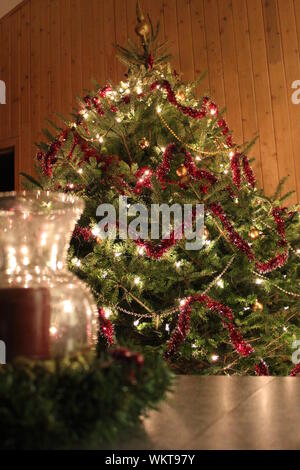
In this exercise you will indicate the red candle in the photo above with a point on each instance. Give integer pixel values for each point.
(25, 322)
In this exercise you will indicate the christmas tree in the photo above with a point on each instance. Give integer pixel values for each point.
(231, 306)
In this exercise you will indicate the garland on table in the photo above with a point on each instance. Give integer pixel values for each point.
(79, 400)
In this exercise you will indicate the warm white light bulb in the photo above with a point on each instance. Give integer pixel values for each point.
(220, 283)
(53, 330)
(95, 231)
(214, 357)
(158, 109)
(107, 312)
(68, 307)
(258, 281)
(136, 322)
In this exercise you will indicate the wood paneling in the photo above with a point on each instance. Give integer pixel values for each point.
(52, 49)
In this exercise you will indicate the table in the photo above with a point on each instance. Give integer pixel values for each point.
(223, 413)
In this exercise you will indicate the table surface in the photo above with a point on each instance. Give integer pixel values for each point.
(224, 413)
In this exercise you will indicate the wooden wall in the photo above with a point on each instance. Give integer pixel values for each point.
(50, 50)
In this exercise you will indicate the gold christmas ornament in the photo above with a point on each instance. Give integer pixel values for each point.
(144, 143)
(253, 233)
(180, 95)
(258, 306)
(182, 170)
(142, 29)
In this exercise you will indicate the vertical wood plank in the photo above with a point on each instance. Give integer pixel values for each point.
(98, 41)
(171, 31)
(131, 19)
(35, 76)
(25, 140)
(121, 33)
(65, 57)
(185, 39)
(55, 64)
(278, 93)
(215, 66)
(199, 45)
(15, 24)
(5, 110)
(246, 83)
(76, 51)
(44, 62)
(290, 47)
(86, 9)
(262, 96)
(109, 41)
(230, 70)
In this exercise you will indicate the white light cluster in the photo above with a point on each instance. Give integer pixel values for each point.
(95, 231)
(137, 280)
(214, 357)
(107, 312)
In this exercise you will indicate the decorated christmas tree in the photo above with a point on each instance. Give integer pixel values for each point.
(231, 306)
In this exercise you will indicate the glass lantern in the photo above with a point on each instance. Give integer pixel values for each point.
(45, 310)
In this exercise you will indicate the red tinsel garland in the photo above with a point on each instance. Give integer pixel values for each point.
(261, 369)
(106, 327)
(182, 329)
(49, 158)
(295, 371)
(143, 176)
(156, 251)
(164, 168)
(208, 108)
(264, 267)
(280, 224)
(83, 232)
(235, 164)
(234, 237)
(249, 174)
